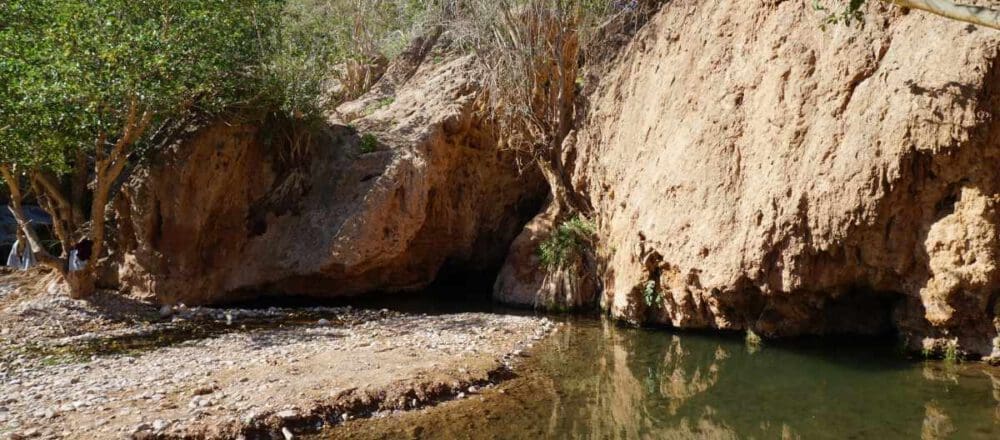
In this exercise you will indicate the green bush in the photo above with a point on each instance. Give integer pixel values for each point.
(314, 36)
(651, 296)
(566, 242)
(368, 143)
(951, 354)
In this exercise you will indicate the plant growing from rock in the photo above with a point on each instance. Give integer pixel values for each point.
(529, 60)
(651, 296)
(529, 54)
(951, 354)
(568, 241)
(368, 143)
(753, 340)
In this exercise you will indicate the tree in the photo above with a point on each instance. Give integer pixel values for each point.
(967, 13)
(89, 84)
(528, 52)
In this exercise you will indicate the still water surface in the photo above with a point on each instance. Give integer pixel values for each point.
(596, 380)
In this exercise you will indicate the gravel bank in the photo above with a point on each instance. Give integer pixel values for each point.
(210, 373)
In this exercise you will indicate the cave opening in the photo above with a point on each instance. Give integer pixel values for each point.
(457, 288)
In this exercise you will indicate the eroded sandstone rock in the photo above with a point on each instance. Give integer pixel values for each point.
(763, 173)
(229, 216)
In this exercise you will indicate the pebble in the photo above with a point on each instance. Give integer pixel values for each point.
(160, 425)
(109, 395)
(141, 427)
(166, 311)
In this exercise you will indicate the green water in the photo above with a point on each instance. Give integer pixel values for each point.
(596, 380)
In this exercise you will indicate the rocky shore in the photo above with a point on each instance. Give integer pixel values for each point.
(237, 373)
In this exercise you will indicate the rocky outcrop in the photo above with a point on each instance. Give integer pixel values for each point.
(759, 172)
(525, 282)
(381, 204)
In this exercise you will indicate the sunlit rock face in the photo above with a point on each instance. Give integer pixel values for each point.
(414, 184)
(759, 172)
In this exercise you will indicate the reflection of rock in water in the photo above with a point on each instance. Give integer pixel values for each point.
(687, 378)
(631, 396)
(940, 372)
(937, 424)
(996, 392)
(595, 380)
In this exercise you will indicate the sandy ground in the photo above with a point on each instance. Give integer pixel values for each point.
(269, 373)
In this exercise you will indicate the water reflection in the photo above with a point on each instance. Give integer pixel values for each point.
(597, 380)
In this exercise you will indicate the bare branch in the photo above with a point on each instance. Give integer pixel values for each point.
(970, 14)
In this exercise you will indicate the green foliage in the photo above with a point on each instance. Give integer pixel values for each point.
(651, 296)
(951, 354)
(849, 15)
(315, 36)
(40, 139)
(80, 67)
(378, 105)
(368, 143)
(566, 242)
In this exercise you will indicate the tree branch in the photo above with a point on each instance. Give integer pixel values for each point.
(41, 255)
(57, 206)
(970, 14)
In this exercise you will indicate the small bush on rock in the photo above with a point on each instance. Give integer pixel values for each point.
(651, 296)
(566, 242)
(368, 143)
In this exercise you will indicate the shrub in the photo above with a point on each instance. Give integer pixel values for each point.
(951, 354)
(566, 242)
(368, 143)
(314, 36)
(650, 295)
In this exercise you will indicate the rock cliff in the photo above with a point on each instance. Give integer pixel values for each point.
(746, 169)
(413, 184)
(759, 172)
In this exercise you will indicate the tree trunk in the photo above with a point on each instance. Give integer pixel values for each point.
(81, 283)
(969, 14)
(108, 169)
(58, 207)
(98, 210)
(41, 254)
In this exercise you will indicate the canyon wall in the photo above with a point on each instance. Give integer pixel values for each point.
(411, 184)
(760, 172)
(746, 169)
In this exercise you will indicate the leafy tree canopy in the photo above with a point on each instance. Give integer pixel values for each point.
(75, 71)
